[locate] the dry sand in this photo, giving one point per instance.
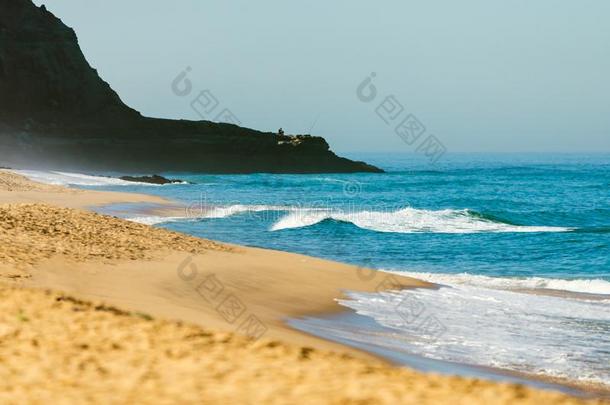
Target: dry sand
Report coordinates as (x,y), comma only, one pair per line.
(173,275)
(56,349)
(56,346)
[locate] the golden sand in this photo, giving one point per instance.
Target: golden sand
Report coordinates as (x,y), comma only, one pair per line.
(172,275)
(32,232)
(14,182)
(67,341)
(55,349)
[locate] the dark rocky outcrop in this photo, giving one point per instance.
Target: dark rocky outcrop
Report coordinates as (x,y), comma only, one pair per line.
(56,112)
(154,179)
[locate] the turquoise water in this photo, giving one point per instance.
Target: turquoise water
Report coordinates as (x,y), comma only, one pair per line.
(518,215)
(520,245)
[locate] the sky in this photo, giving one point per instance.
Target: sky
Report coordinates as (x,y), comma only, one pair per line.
(480,75)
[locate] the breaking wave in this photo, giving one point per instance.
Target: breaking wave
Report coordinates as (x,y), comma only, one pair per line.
(410,220)
(587,286)
(499,328)
(406,220)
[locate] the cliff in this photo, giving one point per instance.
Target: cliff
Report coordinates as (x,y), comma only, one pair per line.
(56,112)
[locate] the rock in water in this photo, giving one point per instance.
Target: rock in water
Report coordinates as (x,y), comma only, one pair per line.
(56,112)
(154,179)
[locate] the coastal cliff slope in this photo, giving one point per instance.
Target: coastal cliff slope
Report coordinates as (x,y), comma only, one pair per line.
(56,112)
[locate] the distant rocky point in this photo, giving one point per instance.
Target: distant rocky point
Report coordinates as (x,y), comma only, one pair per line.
(154,179)
(57,113)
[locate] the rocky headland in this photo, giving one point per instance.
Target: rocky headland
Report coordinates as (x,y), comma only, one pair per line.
(57,113)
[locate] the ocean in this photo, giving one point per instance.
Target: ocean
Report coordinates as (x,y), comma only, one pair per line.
(519,244)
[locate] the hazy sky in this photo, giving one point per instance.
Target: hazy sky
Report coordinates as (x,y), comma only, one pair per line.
(480,75)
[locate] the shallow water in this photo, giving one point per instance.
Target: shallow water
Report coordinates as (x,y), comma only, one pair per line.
(492,229)
(363,333)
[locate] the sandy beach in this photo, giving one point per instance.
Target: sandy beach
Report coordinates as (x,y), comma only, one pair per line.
(99,309)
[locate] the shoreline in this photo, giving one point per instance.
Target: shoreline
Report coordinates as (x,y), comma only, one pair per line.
(572,387)
(260,285)
(316,325)
(163,294)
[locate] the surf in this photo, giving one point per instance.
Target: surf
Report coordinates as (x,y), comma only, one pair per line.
(410,220)
(74,179)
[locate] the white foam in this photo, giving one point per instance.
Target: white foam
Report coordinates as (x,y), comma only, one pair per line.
(588,286)
(469,324)
(75,179)
(198,211)
(271,212)
(409,220)
(230,210)
(406,220)
(154,220)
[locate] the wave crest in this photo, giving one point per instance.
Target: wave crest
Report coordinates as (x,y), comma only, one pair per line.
(587,286)
(409,220)
(405,220)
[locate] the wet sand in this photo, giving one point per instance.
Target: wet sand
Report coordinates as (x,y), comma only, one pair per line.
(98,309)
